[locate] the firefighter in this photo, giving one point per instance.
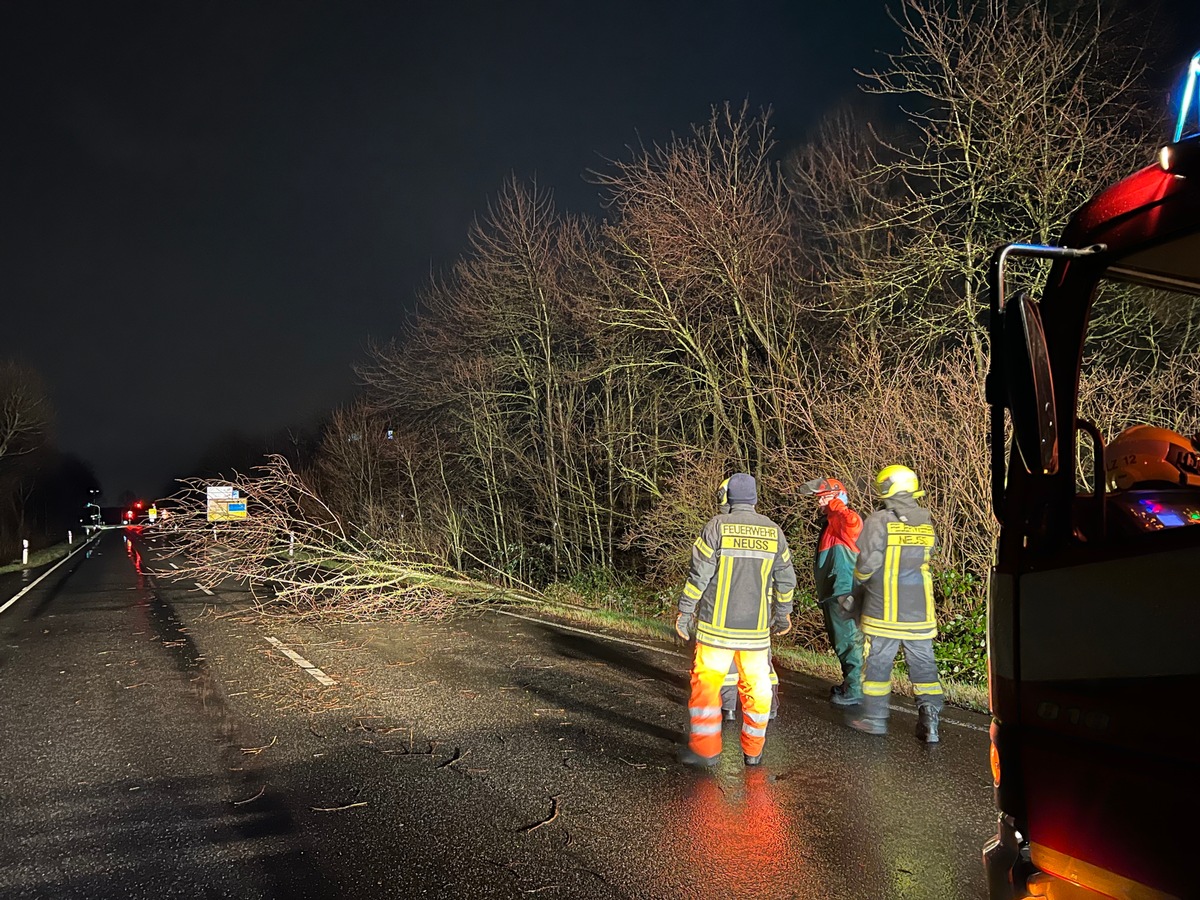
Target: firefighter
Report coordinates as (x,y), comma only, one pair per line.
(729,689)
(833,575)
(894,593)
(738,559)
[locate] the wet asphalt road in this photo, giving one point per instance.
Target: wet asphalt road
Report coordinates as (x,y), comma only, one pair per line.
(158,744)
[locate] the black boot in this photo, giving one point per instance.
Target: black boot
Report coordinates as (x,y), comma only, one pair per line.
(868,725)
(846,696)
(871,717)
(927,724)
(690,757)
(752,760)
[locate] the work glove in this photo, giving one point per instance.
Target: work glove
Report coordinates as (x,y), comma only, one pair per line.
(781,624)
(848,606)
(684,623)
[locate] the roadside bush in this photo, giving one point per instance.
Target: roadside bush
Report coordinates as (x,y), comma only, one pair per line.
(961,647)
(601,588)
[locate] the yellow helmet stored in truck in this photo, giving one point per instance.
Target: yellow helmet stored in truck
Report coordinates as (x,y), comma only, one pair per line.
(1145,456)
(897,480)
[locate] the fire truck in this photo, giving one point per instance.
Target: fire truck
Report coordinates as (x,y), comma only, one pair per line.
(1094,596)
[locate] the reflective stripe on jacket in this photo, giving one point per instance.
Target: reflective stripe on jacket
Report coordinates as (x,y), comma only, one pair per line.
(892,572)
(738,558)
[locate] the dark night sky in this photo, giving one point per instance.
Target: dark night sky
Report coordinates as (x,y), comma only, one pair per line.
(207,209)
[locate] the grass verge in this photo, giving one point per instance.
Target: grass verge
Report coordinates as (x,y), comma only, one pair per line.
(42,557)
(792,659)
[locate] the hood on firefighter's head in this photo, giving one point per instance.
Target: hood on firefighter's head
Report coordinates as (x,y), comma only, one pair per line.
(741,490)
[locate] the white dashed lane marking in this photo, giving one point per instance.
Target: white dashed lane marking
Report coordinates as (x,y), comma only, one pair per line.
(301,662)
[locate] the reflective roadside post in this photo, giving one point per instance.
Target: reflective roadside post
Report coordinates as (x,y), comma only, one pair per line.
(25,551)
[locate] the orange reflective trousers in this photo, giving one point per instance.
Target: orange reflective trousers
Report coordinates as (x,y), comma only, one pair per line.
(709,668)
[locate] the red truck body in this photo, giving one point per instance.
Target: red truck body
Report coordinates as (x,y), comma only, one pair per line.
(1094,600)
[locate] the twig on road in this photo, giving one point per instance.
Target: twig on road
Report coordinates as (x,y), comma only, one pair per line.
(261,790)
(458,755)
(254,751)
(526,829)
(338,808)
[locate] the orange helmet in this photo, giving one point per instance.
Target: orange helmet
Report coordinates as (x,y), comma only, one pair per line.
(1143,455)
(822,486)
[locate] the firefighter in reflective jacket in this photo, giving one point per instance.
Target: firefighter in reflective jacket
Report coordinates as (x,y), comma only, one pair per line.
(737,560)
(729,687)
(894,588)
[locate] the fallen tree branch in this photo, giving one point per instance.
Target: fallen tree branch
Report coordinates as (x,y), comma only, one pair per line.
(294,552)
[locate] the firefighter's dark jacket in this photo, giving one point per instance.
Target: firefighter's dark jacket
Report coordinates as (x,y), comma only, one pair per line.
(892,572)
(738,558)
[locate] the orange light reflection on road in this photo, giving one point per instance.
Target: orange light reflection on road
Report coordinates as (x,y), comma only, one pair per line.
(134,554)
(735,832)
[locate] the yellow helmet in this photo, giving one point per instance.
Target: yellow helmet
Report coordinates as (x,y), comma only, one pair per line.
(723,494)
(897,480)
(1143,455)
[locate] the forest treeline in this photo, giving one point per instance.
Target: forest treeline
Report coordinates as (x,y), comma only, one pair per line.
(574,389)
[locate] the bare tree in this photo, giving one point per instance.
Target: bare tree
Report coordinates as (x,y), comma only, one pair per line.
(703,267)
(1015,113)
(24,410)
